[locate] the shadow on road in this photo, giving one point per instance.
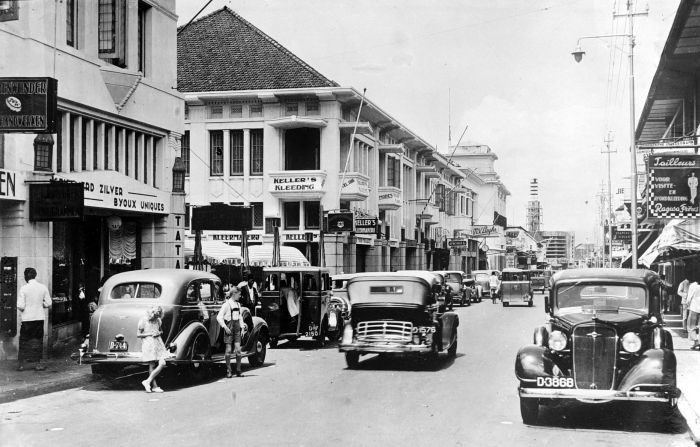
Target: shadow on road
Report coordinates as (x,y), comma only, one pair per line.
(614,416)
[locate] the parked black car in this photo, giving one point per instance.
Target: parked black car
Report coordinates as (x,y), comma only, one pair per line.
(604,341)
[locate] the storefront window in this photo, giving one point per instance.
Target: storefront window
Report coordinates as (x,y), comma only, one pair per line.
(311,214)
(64,305)
(291,215)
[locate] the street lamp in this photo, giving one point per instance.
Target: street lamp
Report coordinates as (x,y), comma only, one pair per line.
(578,56)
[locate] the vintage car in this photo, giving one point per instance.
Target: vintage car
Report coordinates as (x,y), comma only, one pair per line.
(454,280)
(397,313)
(190,300)
(483,279)
(444,295)
(537,280)
(604,341)
(469,286)
(340,303)
(515,287)
(309,289)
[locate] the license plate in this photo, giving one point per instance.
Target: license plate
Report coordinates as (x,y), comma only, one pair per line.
(555,382)
(118,345)
(312,331)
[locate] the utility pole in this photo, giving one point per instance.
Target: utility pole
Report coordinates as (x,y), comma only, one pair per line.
(608,139)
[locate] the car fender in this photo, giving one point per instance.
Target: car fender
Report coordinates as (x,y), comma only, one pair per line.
(450,322)
(655,367)
(184,339)
(532,362)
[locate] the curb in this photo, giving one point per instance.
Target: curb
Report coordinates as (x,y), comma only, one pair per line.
(36,389)
(692,419)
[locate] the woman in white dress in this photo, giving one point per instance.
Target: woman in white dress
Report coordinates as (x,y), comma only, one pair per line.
(152,347)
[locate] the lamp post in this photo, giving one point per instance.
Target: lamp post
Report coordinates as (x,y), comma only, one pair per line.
(578,54)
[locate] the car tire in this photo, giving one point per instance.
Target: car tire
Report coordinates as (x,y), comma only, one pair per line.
(506,304)
(199,352)
(352,359)
(452,351)
(529,303)
(258,358)
(529,410)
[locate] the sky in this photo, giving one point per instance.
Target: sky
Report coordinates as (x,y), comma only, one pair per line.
(502,70)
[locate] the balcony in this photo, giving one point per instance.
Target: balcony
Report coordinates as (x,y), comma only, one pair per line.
(363,127)
(298,185)
(355,187)
(389,198)
(295,122)
(429,171)
(427,211)
(398,148)
(461,223)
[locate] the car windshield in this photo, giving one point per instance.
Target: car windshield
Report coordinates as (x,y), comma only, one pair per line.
(377,292)
(600,297)
(454,277)
(135,290)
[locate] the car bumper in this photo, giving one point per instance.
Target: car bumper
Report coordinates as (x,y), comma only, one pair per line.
(384,347)
(661,395)
(122,358)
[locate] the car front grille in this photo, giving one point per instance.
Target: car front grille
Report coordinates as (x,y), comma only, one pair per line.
(595,355)
(384,331)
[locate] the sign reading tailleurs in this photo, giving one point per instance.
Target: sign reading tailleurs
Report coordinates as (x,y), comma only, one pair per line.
(673,181)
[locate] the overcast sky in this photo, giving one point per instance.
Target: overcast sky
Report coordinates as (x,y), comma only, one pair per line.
(504,69)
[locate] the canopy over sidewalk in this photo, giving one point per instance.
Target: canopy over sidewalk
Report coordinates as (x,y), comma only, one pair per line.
(677,235)
(260,255)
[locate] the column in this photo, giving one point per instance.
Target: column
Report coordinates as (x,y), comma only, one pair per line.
(139,158)
(246,152)
(111,148)
(89,150)
(227,153)
(65,142)
(77,148)
(149,161)
(131,149)
(101,146)
(121,150)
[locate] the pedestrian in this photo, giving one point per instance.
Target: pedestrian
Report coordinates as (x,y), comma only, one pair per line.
(230,318)
(665,296)
(495,285)
(693,313)
(33,298)
(249,291)
(152,347)
(84,310)
(683,293)
(291,300)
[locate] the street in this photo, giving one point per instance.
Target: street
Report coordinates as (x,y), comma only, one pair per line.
(305,396)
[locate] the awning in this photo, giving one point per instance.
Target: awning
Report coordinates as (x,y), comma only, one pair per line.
(260,255)
(679,234)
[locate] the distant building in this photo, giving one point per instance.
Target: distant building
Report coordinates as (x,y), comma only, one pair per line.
(534,209)
(560,247)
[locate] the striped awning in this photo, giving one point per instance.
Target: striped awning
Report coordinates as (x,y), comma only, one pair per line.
(260,255)
(679,234)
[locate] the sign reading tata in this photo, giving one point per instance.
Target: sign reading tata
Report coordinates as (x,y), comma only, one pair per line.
(483,231)
(28,105)
(673,181)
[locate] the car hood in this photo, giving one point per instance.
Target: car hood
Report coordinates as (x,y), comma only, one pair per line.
(115,319)
(389,311)
(623,320)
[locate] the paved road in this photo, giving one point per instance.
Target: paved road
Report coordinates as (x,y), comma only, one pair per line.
(306,397)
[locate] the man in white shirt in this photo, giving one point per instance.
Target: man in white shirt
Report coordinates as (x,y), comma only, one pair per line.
(694,313)
(495,285)
(683,293)
(33,298)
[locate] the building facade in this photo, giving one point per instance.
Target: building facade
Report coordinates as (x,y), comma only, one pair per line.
(272,133)
(560,247)
(118,127)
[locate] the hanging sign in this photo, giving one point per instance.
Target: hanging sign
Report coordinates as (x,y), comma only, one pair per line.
(483,231)
(674,181)
(366,225)
(28,105)
(56,201)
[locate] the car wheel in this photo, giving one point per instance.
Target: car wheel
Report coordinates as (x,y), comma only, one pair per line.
(506,304)
(352,358)
(198,368)
(258,358)
(529,409)
(452,351)
(273,342)
(529,303)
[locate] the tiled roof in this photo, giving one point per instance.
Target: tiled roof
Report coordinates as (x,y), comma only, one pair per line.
(222,52)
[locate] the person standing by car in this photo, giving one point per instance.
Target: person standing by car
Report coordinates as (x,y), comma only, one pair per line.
(152,348)
(683,293)
(249,292)
(230,318)
(694,313)
(495,285)
(33,298)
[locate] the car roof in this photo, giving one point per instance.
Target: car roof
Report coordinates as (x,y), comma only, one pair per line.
(512,270)
(638,276)
(342,276)
(407,274)
(296,269)
(451,271)
(484,271)
(171,278)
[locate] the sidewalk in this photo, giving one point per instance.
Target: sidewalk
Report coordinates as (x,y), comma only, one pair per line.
(61,373)
(687,376)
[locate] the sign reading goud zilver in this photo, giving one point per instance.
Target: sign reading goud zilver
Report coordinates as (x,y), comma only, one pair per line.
(673,185)
(28,105)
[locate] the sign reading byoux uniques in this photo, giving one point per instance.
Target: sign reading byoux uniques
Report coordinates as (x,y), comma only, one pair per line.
(673,181)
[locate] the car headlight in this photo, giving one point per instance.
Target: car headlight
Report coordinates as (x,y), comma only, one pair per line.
(347,334)
(631,342)
(557,341)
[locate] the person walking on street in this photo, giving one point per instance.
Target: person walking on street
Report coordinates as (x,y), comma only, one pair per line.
(152,347)
(665,296)
(683,293)
(694,313)
(495,285)
(33,298)
(230,318)
(249,292)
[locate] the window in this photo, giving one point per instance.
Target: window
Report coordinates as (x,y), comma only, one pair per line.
(291,108)
(9,10)
(216,152)
(216,112)
(311,214)
(256,110)
(71,16)
(236,152)
(135,290)
(256,152)
(236,111)
(187,112)
(185,150)
(291,215)
(142,45)
(302,149)
(440,196)
(393,175)
(258,221)
(312,107)
(111,32)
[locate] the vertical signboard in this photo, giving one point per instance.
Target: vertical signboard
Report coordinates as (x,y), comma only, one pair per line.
(673,181)
(28,105)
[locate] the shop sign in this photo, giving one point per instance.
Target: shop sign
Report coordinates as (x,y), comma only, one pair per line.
(292,184)
(117,192)
(483,231)
(28,105)
(674,181)
(300,237)
(389,199)
(366,225)
(364,240)
(235,237)
(340,222)
(456,242)
(56,201)
(355,186)
(178,241)
(394,244)
(222,217)
(8,185)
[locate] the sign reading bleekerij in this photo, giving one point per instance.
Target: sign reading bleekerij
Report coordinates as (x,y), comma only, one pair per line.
(673,181)
(28,105)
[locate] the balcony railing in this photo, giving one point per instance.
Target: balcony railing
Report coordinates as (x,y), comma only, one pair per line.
(389,198)
(355,187)
(300,185)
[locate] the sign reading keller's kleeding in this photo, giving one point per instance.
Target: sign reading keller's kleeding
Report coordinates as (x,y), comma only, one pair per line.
(28,105)
(673,181)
